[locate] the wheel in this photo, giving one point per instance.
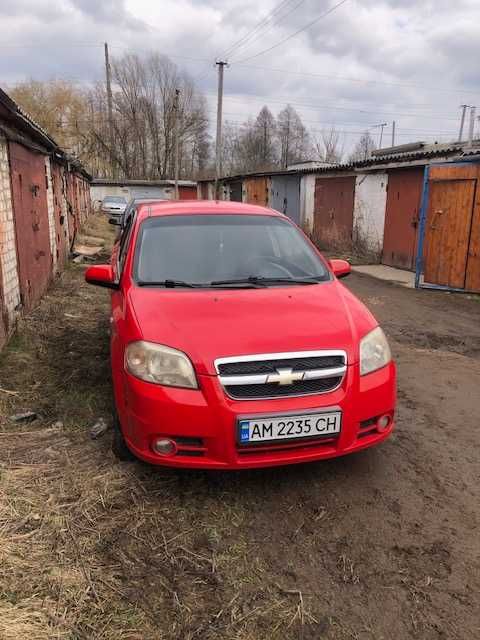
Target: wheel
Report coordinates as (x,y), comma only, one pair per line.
(119,446)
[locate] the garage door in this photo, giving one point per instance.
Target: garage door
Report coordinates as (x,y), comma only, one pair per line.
(401,217)
(447,233)
(333,212)
(286,196)
(31,223)
(256,191)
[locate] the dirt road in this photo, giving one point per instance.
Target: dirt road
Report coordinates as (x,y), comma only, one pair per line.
(382,545)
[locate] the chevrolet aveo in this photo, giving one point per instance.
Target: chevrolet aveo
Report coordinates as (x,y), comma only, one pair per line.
(234,345)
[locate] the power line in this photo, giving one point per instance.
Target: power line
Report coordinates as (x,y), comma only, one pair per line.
(257,27)
(262,68)
(262,33)
(254,32)
(348,79)
(292,35)
(35,45)
(238,124)
(103,119)
(317,107)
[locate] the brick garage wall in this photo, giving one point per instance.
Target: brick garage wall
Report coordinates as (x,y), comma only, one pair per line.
(8,253)
(51,213)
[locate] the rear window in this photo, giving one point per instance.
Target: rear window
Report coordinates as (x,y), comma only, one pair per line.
(200,249)
(116,199)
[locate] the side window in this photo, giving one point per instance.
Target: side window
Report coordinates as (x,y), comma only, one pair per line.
(125,240)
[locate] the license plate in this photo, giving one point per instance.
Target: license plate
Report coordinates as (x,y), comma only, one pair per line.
(252,431)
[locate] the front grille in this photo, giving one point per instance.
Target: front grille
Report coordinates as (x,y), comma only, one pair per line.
(270,366)
(283,447)
(272,390)
(281,375)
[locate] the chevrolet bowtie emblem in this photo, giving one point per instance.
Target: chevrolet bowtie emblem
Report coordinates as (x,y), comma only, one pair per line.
(285,376)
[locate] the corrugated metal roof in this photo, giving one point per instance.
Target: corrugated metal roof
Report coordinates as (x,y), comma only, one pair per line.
(426,153)
(105,182)
(20,117)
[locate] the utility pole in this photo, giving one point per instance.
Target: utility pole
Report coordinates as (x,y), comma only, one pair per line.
(110,110)
(218,145)
(471,128)
(381,125)
(464,108)
(393,133)
(176,141)
(287,143)
(384,124)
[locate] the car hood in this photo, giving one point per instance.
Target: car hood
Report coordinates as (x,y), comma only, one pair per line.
(207,324)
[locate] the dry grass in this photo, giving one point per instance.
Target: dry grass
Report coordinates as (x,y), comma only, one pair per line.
(91,548)
(94,549)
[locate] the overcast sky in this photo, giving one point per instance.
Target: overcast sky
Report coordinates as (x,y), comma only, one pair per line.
(367,62)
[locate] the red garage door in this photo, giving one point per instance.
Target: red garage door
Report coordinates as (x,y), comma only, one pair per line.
(333,212)
(187,193)
(401,217)
(31,222)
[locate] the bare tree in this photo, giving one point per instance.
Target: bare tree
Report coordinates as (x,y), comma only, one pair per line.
(144,117)
(330,146)
(293,137)
(230,149)
(61,108)
(265,133)
(363,148)
(252,146)
(143,100)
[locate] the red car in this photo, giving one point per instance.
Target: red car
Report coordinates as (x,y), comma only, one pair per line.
(234,345)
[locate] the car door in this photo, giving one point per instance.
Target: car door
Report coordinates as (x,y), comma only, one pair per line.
(119,256)
(119,330)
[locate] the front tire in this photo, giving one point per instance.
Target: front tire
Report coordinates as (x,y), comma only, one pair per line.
(119,446)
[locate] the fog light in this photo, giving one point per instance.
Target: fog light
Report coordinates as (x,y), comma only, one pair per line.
(383,422)
(164,446)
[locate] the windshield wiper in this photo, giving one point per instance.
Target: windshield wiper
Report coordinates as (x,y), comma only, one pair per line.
(260,280)
(168,284)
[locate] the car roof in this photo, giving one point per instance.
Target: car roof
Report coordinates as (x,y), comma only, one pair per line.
(205,207)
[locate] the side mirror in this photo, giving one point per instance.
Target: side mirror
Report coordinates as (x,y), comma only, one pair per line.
(340,268)
(115,221)
(101,275)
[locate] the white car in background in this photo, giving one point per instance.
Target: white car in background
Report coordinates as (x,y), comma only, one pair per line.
(114,206)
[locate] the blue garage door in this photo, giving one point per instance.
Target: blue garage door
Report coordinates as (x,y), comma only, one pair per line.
(286,196)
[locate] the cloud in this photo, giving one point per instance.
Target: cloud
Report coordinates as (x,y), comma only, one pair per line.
(370,61)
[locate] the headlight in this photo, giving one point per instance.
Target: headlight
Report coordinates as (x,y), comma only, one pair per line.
(374,351)
(159,364)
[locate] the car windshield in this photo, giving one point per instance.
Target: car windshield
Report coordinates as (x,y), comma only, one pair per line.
(116,199)
(224,250)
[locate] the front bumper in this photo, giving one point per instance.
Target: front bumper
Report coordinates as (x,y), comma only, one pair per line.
(205,419)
